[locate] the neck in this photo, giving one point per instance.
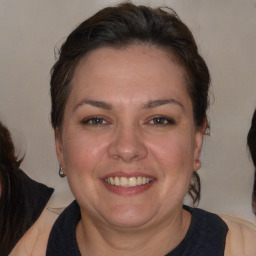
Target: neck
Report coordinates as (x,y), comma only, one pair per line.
(158,239)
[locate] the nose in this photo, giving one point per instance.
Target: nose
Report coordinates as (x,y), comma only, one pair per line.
(127,144)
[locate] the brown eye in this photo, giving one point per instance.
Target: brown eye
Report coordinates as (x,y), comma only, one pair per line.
(161,120)
(96,120)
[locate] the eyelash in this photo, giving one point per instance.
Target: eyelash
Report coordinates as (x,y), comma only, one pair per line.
(156,120)
(162,121)
(94,121)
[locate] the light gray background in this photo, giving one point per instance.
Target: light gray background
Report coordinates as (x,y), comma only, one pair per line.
(226,33)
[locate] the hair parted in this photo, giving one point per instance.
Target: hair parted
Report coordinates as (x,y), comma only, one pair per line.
(119,27)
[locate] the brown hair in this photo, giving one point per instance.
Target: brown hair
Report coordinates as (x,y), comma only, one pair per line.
(11,207)
(251,142)
(123,25)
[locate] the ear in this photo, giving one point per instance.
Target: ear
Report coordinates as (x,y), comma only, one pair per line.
(198,146)
(58,146)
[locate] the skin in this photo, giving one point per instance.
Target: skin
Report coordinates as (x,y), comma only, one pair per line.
(111,127)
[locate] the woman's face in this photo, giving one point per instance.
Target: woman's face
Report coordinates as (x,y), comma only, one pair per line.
(128,144)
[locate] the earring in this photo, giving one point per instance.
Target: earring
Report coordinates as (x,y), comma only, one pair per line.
(61,173)
(197,164)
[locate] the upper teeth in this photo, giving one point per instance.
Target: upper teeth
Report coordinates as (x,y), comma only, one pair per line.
(128,182)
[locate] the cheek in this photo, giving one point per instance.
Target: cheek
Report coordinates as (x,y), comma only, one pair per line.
(82,153)
(175,151)
(174,156)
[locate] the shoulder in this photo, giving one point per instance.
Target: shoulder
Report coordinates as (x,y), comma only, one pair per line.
(241,237)
(34,241)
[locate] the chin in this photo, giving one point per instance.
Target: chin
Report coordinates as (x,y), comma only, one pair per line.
(129,217)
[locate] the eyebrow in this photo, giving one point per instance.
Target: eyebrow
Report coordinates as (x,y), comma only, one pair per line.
(94,103)
(148,105)
(157,103)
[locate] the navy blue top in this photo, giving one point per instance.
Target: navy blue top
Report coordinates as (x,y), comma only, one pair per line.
(206,234)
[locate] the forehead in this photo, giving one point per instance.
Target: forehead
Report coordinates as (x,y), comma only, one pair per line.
(127,54)
(135,70)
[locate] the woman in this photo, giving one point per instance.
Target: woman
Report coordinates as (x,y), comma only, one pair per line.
(22,199)
(251,141)
(129,98)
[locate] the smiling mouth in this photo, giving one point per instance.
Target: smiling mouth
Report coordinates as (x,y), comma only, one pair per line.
(128,182)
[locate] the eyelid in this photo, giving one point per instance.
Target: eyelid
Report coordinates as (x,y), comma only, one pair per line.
(86,120)
(170,120)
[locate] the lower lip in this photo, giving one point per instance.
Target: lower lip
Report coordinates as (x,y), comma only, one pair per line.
(127,191)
